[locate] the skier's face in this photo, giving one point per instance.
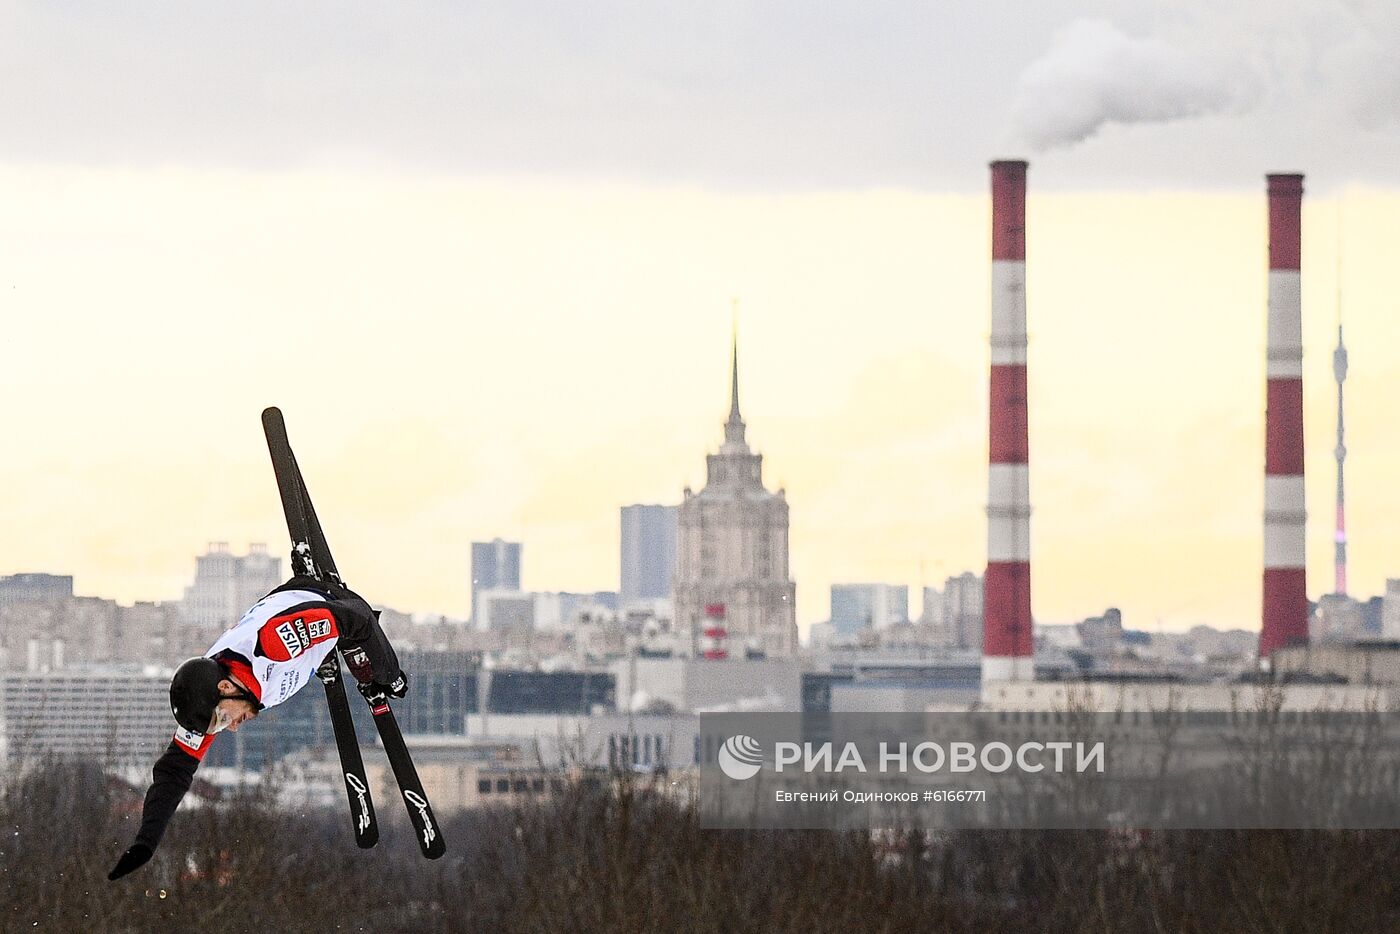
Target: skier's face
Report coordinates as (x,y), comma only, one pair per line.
(232,711)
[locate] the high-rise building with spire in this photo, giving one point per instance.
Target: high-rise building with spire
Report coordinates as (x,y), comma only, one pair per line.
(732,554)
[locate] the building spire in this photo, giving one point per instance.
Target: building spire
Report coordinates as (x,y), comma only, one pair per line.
(734,428)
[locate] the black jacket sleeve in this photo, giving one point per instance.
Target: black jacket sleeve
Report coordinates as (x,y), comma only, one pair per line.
(171,778)
(359,629)
(358,624)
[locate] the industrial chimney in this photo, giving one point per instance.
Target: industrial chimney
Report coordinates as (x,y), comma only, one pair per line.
(1007,648)
(1285,613)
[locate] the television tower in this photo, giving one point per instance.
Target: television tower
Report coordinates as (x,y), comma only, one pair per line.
(1339,369)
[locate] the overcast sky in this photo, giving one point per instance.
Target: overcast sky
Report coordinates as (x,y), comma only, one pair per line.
(734,95)
(499,243)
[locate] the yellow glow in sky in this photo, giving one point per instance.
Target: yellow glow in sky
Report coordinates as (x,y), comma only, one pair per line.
(459,361)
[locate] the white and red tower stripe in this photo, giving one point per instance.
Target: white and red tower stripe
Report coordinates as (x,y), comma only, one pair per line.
(1285,578)
(1007,649)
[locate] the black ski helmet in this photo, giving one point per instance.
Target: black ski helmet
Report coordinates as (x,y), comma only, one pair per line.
(194,693)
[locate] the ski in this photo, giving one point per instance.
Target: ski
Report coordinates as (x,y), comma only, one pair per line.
(296,506)
(309,547)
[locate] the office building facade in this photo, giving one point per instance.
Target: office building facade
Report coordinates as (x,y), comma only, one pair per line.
(648,553)
(495,566)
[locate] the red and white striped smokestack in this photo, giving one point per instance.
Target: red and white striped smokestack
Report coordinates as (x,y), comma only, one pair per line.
(1285,578)
(1007,650)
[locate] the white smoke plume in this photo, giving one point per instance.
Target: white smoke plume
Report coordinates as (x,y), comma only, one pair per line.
(1364,63)
(1094,75)
(1303,61)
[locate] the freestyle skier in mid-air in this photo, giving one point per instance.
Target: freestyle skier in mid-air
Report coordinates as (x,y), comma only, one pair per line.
(296,631)
(273,651)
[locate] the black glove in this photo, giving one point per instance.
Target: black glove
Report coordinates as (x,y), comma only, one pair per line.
(134,858)
(357,660)
(377,693)
(301,555)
